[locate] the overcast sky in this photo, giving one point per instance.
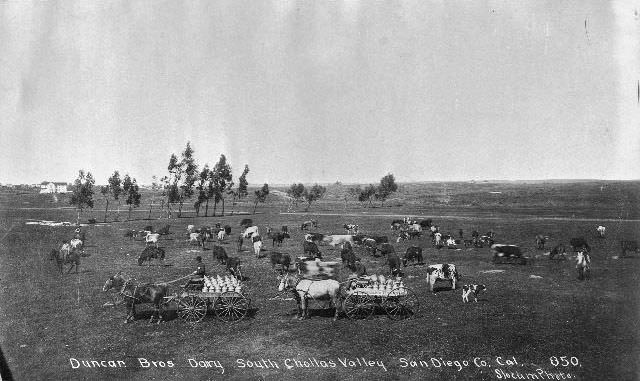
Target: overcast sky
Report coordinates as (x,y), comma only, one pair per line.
(318,91)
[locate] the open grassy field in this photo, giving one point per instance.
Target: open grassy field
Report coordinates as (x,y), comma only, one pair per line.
(535,321)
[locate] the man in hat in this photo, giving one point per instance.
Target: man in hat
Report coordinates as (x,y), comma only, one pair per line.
(198,275)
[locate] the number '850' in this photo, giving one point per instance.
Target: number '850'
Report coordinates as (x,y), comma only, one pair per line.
(564,361)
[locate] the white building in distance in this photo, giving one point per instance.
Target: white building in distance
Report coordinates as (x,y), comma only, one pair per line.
(53,187)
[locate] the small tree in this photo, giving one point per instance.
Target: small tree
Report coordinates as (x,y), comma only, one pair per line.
(155,187)
(241,192)
(366,194)
(353,193)
(104,191)
(261,196)
(223,179)
(132,191)
(315,193)
(203,179)
(190,175)
(296,192)
(387,187)
(115,189)
(82,196)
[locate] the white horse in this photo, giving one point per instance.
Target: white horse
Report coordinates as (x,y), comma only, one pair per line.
(303,289)
(583,265)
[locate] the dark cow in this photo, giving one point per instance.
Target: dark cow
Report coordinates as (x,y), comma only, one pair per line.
(413,254)
(579,243)
(370,245)
(277,237)
(414,234)
(628,246)
(311,249)
(233,266)
(219,254)
(227,229)
(396,224)
(283,260)
(426,224)
(394,264)
(308,224)
(472,289)
(557,251)
(386,249)
(285,229)
(351,228)
(164,230)
(358,238)
(150,252)
(348,257)
(246,222)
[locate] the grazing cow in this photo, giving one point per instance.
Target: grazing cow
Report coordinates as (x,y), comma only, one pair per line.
(442,271)
(222,235)
(402,236)
(314,237)
(308,224)
(348,257)
(251,231)
(540,241)
(233,266)
(558,250)
(337,239)
(415,227)
(191,229)
(413,254)
(386,249)
(219,254)
(601,230)
(472,289)
(151,238)
(164,230)
(351,228)
(150,252)
(370,245)
(426,224)
(396,224)
(394,264)
(583,264)
(434,229)
(451,243)
(311,249)
(227,229)
(277,237)
(628,246)
(578,244)
(284,260)
(414,234)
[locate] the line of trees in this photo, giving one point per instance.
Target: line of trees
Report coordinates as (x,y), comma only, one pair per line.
(183,183)
(299,193)
(381,192)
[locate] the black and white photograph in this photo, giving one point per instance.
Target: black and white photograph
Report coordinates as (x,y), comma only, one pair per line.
(319,190)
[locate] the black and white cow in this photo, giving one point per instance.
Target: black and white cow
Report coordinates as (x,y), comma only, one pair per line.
(472,289)
(442,271)
(351,228)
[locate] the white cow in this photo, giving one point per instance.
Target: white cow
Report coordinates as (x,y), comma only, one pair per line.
(190,229)
(251,231)
(222,235)
(415,227)
(337,239)
(601,230)
(194,237)
(151,238)
(257,246)
(442,271)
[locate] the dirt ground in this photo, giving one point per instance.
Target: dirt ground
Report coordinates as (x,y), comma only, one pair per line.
(535,321)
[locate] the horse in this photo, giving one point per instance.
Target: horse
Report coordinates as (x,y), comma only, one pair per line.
(150,252)
(303,289)
(137,293)
(583,265)
(73,257)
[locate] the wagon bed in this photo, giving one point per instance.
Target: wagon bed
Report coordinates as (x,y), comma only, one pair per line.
(360,301)
(193,305)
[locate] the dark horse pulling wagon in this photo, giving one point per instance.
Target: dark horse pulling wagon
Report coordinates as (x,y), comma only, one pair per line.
(224,296)
(510,254)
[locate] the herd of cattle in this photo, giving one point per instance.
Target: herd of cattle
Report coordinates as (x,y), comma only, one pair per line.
(374,245)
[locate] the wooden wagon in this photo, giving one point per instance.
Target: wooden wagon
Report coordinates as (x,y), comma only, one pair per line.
(363,295)
(229,304)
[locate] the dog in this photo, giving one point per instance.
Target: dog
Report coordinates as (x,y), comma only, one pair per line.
(472,289)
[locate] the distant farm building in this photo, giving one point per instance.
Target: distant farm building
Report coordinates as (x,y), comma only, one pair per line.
(52,187)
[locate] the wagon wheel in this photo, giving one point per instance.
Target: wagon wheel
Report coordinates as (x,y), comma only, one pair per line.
(192,308)
(231,306)
(401,304)
(358,305)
